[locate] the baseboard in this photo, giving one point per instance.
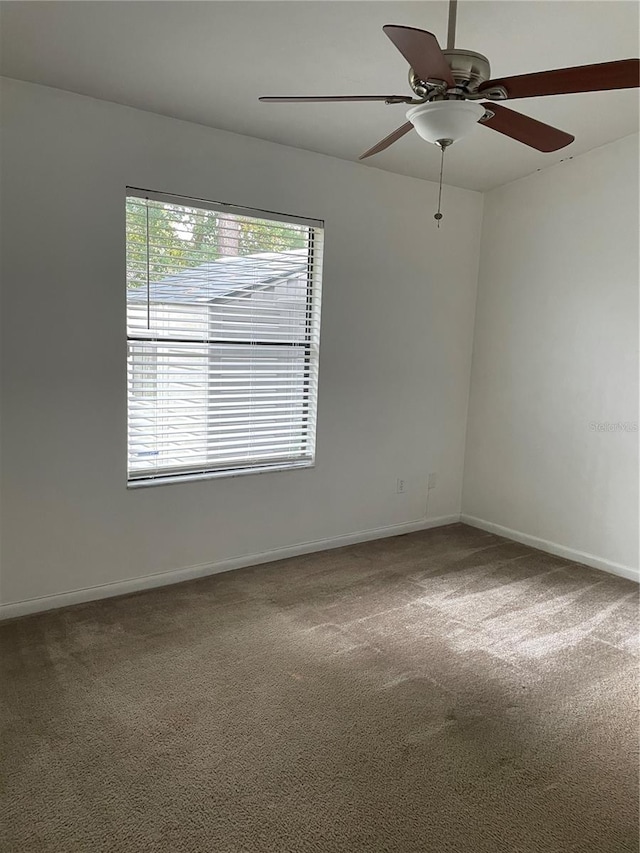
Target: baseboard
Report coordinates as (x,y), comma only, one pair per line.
(93,593)
(553,548)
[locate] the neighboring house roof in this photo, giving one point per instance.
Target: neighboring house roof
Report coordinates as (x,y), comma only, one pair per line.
(225,276)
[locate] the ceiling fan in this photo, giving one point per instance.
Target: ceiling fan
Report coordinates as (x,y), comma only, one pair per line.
(452,91)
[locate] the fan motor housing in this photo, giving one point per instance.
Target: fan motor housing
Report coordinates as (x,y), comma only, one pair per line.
(468,69)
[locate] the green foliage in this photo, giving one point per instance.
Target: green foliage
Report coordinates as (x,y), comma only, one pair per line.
(261,236)
(181,238)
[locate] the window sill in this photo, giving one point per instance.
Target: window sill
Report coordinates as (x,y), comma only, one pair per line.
(216,475)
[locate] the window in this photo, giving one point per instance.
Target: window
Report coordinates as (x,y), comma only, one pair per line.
(223,327)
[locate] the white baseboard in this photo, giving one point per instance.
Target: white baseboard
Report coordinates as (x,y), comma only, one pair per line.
(553,548)
(93,593)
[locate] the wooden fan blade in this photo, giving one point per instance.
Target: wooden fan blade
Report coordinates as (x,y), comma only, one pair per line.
(622,74)
(388,140)
(325,99)
(422,52)
(531,132)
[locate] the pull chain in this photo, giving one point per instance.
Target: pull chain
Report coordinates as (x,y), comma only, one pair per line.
(444,144)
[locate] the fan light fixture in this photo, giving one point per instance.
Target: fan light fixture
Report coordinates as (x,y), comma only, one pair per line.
(448,84)
(437,121)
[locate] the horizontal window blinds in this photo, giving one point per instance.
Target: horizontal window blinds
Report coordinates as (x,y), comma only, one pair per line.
(223,325)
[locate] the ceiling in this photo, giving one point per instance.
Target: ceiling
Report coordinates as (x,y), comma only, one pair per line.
(208,61)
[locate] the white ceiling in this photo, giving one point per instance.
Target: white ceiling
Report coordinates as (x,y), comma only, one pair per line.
(208,61)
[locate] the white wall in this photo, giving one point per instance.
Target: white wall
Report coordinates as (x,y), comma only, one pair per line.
(397,323)
(556,351)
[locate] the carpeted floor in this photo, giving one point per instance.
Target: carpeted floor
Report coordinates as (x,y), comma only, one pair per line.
(441,691)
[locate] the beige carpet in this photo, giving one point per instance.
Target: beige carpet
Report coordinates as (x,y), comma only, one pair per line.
(441,691)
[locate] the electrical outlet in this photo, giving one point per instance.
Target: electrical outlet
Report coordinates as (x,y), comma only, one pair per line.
(432,482)
(400,486)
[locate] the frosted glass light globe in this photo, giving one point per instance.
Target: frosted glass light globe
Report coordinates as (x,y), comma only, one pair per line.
(445,119)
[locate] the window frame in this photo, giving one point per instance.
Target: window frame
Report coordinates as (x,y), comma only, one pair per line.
(310,344)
